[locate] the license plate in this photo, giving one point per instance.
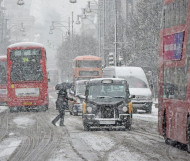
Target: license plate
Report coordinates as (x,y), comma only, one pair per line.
(27,103)
(107,122)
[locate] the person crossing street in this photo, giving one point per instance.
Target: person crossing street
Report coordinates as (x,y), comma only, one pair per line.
(61,105)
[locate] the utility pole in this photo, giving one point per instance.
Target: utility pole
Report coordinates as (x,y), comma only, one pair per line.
(115,61)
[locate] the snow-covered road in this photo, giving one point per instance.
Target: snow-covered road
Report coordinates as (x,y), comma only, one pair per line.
(30,136)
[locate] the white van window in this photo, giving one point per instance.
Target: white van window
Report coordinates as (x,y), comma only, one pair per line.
(135,82)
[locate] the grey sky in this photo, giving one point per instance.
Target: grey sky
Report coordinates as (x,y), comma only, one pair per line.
(46,11)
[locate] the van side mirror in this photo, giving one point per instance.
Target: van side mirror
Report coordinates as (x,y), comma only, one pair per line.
(132,96)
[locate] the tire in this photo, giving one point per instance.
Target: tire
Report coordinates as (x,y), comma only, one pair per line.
(188,134)
(86,127)
(75,113)
(165,130)
(11,110)
(128,125)
(134,110)
(149,110)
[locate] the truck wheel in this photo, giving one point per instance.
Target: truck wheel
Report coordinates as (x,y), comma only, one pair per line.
(188,135)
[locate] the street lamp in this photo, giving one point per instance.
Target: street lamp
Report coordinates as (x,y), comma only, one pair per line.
(58,24)
(20,2)
(78,20)
(88,9)
(73,1)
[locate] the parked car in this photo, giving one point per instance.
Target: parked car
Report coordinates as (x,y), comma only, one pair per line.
(138,85)
(107,103)
(78,96)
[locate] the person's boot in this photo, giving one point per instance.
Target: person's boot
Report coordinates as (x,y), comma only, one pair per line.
(62,123)
(53,123)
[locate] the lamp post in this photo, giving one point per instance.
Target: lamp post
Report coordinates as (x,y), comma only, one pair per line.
(62,34)
(20,2)
(73,1)
(14,31)
(59,24)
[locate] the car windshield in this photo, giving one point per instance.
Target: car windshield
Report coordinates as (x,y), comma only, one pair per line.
(135,82)
(80,89)
(106,91)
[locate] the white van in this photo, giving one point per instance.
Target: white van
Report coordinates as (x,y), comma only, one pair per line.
(138,85)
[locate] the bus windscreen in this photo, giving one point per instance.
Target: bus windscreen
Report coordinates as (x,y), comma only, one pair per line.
(88,63)
(26,65)
(3,72)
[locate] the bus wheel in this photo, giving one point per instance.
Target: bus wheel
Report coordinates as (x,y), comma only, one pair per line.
(188,135)
(165,130)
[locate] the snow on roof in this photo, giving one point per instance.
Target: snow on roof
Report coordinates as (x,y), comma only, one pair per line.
(26,44)
(100,79)
(128,71)
(81,81)
(86,57)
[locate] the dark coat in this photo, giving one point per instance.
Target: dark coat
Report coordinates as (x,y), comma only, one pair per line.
(62,101)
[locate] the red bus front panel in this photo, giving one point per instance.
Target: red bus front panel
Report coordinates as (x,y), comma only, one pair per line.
(27,76)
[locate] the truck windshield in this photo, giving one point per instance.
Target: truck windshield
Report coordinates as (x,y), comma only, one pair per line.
(106,91)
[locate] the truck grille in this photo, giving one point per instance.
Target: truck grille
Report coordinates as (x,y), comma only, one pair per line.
(107,112)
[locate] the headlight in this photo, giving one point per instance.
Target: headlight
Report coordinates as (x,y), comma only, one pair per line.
(89,109)
(125,109)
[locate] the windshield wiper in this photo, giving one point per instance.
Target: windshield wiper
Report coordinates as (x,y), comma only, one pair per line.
(104,97)
(119,97)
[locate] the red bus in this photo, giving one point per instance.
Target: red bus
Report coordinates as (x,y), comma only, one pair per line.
(87,67)
(3,80)
(174,73)
(27,81)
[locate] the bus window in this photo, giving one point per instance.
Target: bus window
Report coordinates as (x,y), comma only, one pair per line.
(85,63)
(26,65)
(3,72)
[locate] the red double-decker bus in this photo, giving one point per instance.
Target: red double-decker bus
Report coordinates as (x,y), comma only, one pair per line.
(3,80)
(174,73)
(87,67)
(27,81)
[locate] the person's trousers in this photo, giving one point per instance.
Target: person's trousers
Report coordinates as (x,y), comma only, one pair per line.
(61,117)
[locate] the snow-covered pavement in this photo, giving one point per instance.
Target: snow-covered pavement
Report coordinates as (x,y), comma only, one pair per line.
(31,136)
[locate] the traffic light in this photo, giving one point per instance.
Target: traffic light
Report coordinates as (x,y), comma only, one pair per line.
(111,59)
